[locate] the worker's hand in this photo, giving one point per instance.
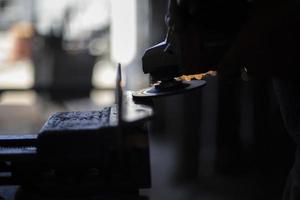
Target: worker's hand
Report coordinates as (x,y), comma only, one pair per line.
(196,57)
(185,39)
(205,30)
(267,45)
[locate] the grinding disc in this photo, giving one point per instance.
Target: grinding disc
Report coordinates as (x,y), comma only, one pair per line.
(152,92)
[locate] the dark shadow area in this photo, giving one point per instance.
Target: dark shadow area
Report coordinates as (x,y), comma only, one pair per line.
(224,141)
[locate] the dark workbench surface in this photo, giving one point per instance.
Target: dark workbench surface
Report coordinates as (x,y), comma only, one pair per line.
(169,180)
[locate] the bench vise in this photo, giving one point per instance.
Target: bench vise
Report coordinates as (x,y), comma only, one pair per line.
(78,153)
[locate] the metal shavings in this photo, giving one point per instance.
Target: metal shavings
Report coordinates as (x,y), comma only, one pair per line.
(197,76)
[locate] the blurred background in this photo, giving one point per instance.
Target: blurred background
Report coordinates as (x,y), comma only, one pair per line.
(58,51)
(222,142)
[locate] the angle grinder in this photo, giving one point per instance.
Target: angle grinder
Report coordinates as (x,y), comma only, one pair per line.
(162,62)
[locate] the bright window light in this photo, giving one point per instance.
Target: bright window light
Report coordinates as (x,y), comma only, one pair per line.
(26,98)
(18,75)
(103,98)
(123,30)
(104,75)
